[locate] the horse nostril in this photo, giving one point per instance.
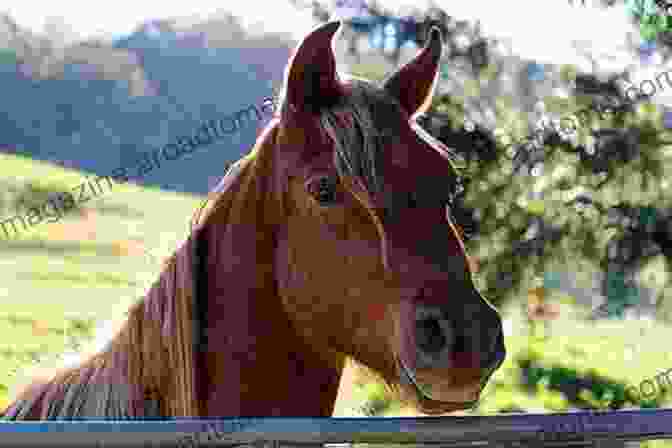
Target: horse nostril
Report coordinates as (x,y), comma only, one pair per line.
(429,336)
(434,337)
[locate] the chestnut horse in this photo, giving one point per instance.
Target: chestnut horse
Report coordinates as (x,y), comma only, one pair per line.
(332,239)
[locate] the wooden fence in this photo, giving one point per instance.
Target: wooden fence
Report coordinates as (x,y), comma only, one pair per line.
(603,429)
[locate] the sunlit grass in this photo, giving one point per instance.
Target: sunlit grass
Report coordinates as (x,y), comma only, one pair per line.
(54,290)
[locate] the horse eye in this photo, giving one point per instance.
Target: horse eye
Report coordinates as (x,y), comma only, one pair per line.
(323,189)
(412,199)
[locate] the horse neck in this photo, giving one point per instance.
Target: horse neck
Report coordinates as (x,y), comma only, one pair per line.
(252,362)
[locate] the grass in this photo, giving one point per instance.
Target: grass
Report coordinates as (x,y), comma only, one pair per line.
(621,352)
(55,288)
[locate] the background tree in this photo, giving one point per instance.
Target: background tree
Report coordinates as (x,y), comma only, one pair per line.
(536,195)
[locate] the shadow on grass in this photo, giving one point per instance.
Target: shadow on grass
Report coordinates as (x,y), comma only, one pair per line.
(81,327)
(119,210)
(94,279)
(60,248)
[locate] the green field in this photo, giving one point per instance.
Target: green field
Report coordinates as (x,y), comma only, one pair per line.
(56,287)
(58,279)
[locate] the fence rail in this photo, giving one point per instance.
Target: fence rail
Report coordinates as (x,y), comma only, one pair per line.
(604,429)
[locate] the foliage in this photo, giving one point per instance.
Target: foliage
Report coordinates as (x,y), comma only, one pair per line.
(532,195)
(376,400)
(652,17)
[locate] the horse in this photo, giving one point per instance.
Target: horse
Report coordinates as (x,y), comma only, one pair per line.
(331,240)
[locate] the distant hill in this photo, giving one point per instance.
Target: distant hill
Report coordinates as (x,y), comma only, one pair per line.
(97,105)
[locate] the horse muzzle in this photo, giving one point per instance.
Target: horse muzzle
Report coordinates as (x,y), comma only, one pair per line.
(446,356)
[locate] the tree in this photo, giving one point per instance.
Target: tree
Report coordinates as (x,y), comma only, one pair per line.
(538,194)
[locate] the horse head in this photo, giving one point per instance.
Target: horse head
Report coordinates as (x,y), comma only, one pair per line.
(367,262)
(332,239)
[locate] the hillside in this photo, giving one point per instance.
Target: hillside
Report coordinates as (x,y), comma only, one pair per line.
(97,105)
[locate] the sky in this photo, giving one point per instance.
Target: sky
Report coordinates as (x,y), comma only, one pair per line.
(542,33)
(546,31)
(122,16)
(555,33)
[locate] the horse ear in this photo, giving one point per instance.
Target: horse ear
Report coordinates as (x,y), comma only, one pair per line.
(413,84)
(310,78)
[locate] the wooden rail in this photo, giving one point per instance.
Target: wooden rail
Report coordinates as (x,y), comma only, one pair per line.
(606,429)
